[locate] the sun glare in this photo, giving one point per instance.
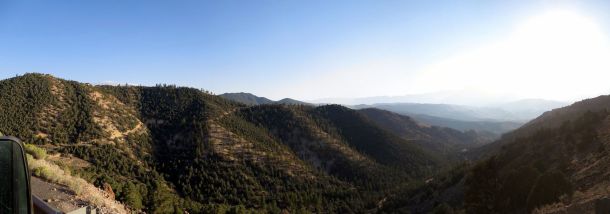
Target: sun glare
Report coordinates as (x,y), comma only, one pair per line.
(556,55)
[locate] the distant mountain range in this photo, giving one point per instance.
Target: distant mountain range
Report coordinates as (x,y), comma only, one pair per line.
(251,99)
(457,97)
(493,120)
(518,111)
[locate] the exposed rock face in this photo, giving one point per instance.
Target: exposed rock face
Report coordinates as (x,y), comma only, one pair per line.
(108,190)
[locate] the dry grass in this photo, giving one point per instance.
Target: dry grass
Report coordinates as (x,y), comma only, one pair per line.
(84,190)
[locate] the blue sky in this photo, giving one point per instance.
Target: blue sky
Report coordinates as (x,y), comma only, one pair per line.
(276,48)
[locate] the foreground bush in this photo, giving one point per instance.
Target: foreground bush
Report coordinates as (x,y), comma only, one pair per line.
(37,152)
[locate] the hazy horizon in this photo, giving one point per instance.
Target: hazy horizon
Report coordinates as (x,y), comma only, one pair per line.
(457,97)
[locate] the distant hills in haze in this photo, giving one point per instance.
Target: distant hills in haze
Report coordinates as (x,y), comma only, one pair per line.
(291,102)
(519,111)
(527,109)
(496,119)
(495,128)
(455,112)
(456,97)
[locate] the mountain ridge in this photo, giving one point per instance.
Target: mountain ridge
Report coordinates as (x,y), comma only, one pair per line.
(251,99)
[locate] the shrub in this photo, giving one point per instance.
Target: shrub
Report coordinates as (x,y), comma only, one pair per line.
(133,197)
(41,172)
(37,152)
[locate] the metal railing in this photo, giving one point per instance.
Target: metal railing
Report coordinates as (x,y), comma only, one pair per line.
(42,207)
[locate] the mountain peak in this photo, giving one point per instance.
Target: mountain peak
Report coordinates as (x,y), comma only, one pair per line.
(246,98)
(291,101)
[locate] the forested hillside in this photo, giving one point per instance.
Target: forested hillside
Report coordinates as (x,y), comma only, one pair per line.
(168,149)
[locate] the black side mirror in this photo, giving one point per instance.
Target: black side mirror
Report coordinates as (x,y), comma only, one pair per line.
(15,193)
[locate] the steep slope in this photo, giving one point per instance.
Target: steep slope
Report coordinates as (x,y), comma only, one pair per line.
(246,98)
(202,150)
(556,117)
(438,139)
(315,140)
(374,141)
(539,168)
(63,116)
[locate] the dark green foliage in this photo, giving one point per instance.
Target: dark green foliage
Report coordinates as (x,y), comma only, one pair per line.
(439,191)
(517,186)
(214,181)
(482,187)
(20,99)
(251,132)
(133,197)
(443,209)
(130,181)
(29,104)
